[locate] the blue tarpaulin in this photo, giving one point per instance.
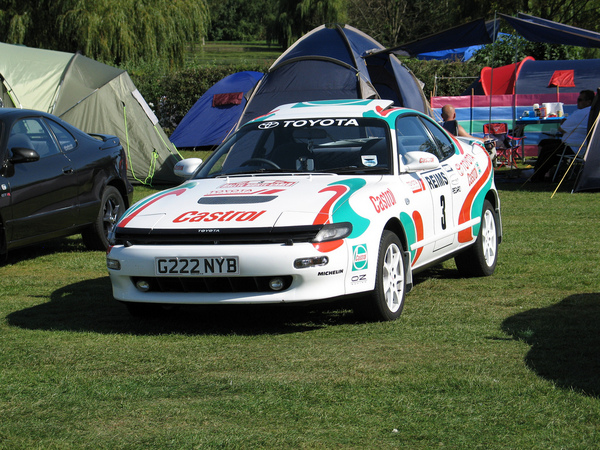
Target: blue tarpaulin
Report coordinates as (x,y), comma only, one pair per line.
(536,29)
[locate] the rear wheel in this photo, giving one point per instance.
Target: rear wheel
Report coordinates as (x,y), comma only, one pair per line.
(480,259)
(112,208)
(386,301)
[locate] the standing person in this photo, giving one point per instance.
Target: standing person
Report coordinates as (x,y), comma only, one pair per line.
(574,129)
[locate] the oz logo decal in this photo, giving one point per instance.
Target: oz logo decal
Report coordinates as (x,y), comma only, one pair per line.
(267,125)
(359,257)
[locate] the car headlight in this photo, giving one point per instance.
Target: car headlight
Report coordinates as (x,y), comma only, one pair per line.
(333,232)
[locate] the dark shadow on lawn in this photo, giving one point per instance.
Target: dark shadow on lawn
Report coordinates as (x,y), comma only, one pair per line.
(564,340)
(88,306)
(60,245)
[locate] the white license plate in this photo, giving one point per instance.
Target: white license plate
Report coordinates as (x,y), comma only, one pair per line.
(178,267)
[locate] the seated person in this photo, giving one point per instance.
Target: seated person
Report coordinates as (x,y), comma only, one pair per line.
(452,126)
(449,115)
(574,130)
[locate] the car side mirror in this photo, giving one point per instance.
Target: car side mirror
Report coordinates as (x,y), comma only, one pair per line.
(23,155)
(418,161)
(186,167)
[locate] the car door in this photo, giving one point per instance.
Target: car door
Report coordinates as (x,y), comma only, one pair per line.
(43,194)
(88,163)
(434,196)
(442,183)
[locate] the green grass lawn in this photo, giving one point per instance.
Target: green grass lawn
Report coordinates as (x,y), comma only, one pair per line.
(509,361)
(232,53)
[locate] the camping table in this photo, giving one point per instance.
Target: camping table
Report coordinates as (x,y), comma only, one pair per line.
(522,122)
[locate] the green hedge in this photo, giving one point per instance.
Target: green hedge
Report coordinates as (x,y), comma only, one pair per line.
(172,93)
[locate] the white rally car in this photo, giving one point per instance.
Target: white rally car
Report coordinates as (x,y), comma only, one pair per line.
(312,201)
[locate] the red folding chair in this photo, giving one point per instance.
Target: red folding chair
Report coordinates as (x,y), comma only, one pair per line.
(507,146)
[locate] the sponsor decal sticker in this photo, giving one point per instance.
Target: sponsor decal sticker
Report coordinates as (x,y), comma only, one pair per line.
(220,216)
(320,122)
(383,201)
(360,257)
(358,279)
(263,190)
(414,183)
(465,164)
(330,272)
(436,180)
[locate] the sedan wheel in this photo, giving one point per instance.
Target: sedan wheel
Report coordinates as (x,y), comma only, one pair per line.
(111,210)
(479,260)
(386,301)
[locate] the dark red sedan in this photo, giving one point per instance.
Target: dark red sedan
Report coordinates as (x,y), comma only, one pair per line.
(56,180)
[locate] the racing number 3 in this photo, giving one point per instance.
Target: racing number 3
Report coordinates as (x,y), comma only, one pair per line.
(443,205)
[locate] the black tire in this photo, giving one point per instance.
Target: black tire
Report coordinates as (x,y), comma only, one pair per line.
(112,208)
(479,260)
(386,301)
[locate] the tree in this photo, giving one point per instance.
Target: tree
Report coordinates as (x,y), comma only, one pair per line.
(513,48)
(112,31)
(393,22)
(294,18)
(239,20)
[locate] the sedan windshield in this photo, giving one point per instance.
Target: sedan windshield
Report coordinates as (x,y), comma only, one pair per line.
(329,145)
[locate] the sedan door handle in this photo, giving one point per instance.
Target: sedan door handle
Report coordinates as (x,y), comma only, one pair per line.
(68,170)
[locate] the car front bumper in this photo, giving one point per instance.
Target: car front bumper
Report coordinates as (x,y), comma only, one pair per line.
(258,265)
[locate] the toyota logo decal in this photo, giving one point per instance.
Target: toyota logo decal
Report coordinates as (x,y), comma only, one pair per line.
(268,125)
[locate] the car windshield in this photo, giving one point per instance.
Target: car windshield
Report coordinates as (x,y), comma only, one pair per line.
(327,145)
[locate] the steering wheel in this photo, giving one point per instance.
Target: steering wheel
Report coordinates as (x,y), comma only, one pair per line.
(268,162)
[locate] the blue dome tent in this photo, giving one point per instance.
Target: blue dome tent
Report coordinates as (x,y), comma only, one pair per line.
(216,113)
(340,62)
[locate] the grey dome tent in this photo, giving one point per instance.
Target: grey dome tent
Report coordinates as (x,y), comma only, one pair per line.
(340,62)
(94,97)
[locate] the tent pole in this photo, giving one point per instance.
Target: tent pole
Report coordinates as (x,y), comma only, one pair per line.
(10,92)
(472,105)
(493,59)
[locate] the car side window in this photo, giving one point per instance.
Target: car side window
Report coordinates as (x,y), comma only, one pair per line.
(412,135)
(66,141)
(443,142)
(31,133)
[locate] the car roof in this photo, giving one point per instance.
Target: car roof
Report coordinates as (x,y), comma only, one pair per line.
(18,112)
(327,108)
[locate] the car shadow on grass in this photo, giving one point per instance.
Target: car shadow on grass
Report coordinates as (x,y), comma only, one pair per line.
(88,306)
(53,246)
(564,340)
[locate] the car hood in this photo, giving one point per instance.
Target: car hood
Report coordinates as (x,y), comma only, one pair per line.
(252,201)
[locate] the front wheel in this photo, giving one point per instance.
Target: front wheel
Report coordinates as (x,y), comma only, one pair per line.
(112,208)
(386,301)
(479,260)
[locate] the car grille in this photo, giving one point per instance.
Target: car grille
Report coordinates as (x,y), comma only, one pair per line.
(212,284)
(279,235)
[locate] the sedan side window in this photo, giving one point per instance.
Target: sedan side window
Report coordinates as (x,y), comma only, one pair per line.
(442,141)
(413,136)
(31,133)
(65,140)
